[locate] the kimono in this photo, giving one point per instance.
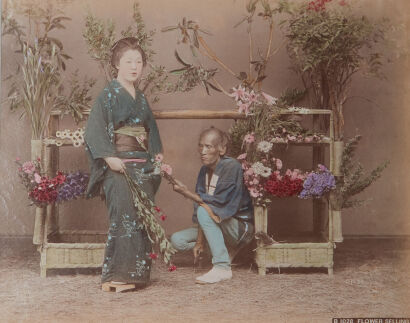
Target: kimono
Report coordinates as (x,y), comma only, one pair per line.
(128,246)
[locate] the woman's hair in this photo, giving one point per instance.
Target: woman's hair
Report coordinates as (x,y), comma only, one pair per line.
(121,46)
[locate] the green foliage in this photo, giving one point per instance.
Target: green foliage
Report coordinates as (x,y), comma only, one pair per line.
(353,180)
(37,85)
(78,98)
(146,211)
(101,35)
(37,93)
(328,47)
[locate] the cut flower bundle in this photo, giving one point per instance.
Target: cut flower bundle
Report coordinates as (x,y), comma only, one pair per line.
(43,190)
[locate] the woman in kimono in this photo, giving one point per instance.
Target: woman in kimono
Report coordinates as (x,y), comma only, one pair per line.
(122,136)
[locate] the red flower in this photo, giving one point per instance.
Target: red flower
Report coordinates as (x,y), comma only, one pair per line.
(172,268)
(153,255)
(156,208)
(343,3)
(163,217)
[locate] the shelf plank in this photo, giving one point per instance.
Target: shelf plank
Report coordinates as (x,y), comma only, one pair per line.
(213,114)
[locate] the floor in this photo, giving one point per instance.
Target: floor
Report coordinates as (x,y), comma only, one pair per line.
(371,279)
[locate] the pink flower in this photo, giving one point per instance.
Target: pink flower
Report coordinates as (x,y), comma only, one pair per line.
(166,169)
(249,138)
(255,181)
(172,268)
(241,156)
(238,93)
(279,164)
(309,139)
(249,172)
(288,172)
(28,167)
(251,97)
(243,107)
(159,157)
(17,159)
(37,178)
(253,192)
(291,137)
(163,217)
(343,3)
(269,99)
(153,256)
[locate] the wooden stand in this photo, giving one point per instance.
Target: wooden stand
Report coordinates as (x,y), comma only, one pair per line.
(85,249)
(306,250)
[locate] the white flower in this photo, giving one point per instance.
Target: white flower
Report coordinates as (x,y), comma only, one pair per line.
(269,99)
(260,169)
(265,146)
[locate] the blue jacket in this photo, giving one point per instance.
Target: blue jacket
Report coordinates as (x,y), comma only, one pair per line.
(227,194)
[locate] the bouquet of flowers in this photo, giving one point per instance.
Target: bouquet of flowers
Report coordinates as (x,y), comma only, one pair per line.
(290,184)
(43,190)
(318,183)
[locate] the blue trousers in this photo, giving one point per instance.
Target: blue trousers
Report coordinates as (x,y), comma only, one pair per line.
(230,232)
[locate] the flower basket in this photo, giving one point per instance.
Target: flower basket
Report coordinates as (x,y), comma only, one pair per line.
(337,225)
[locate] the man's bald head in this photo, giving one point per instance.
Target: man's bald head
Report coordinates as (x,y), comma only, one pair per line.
(220,138)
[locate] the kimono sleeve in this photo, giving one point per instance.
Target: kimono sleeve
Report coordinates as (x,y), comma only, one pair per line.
(97,135)
(227,197)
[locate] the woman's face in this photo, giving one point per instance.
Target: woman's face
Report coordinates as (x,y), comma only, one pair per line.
(130,66)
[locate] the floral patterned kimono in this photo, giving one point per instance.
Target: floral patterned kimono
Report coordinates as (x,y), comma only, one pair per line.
(128,247)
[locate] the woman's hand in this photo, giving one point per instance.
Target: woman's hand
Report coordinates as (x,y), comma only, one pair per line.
(115,164)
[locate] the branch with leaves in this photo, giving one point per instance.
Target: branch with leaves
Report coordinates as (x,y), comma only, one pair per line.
(353,180)
(191,35)
(328,44)
(101,35)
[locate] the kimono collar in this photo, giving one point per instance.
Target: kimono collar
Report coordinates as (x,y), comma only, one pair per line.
(117,85)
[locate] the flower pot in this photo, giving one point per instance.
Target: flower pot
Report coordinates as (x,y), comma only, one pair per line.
(337,226)
(36,148)
(38,234)
(337,157)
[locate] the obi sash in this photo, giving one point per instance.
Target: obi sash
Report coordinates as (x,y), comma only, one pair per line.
(131,138)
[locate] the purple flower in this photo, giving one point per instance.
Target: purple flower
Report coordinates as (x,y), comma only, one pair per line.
(318,183)
(73,187)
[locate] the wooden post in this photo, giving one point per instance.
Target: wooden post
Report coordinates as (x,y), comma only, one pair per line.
(318,158)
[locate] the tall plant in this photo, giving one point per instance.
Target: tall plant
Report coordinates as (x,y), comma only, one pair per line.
(328,44)
(40,80)
(37,85)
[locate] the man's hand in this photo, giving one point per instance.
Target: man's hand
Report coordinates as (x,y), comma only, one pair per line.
(199,245)
(198,249)
(180,187)
(115,164)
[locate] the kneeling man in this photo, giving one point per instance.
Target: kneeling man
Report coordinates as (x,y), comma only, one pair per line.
(223,208)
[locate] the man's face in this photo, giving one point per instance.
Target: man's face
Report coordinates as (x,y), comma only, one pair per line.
(209,150)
